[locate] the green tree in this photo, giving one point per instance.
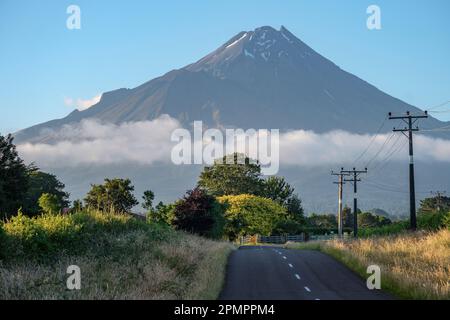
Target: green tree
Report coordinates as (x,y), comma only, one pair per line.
(49,203)
(438,203)
(232,175)
(322,221)
(277,189)
(77,205)
(148,198)
(347,217)
(369,220)
(163,213)
(249,215)
(40,183)
(113,195)
(294,209)
(13,177)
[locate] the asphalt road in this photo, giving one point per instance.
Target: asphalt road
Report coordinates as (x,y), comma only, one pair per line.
(272,273)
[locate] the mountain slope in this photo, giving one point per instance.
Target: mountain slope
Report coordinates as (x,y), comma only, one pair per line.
(264,78)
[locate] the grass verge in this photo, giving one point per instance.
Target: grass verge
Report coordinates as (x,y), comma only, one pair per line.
(119,258)
(413,265)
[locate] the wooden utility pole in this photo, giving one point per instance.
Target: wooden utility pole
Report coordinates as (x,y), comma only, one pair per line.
(410,120)
(340,183)
(355,179)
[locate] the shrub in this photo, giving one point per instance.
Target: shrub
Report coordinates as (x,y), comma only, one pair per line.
(248,215)
(43,236)
(393,228)
(291,227)
(200,213)
(433,220)
(49,203)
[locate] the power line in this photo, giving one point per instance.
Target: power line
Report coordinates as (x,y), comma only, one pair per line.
(389,138)
(371,141)
(433,109)
(382,164)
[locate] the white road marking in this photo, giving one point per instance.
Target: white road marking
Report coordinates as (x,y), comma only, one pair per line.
(297,276)
(307,289)
(290,265)
(279,252)
(316,299)
(284,257)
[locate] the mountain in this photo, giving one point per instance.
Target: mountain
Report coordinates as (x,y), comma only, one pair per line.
(264,78)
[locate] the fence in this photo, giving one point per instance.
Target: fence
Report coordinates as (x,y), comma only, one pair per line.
(332,236)
(272,239)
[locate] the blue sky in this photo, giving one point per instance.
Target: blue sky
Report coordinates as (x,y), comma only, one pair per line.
(126,43)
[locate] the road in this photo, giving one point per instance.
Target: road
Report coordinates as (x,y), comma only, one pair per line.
(273,273)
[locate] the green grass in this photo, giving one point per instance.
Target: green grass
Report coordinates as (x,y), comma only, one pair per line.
(120,258)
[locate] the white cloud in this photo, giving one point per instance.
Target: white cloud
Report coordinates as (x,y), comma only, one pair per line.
(92,142)
(147,142)
(82,104)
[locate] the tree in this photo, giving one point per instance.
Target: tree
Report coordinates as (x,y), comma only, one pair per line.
(369,220)
(232,175)
(40,183)
(277,189)
(247,214)
(163,213)
(49,203)
(148,198)
(438,203)
(13,177)
(199,213)
(289,227)
(113,195)
(322,221)
(77,205)
(294,209)
(347,217)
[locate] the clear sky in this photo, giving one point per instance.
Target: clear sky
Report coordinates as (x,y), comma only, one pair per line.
(125,43)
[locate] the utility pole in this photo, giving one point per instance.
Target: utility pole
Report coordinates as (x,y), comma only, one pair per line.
(339,183)
(355,179)
(410,120)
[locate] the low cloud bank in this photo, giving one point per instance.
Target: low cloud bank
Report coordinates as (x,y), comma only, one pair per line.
(147,142)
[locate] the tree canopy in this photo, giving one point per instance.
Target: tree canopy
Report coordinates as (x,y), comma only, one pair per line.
(39,184)
(14,178)
(200,213)
(232,175)
(249,214)
(113,195)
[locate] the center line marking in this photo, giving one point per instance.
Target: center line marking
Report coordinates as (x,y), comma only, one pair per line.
(307,289)
(297,276)
(290,265)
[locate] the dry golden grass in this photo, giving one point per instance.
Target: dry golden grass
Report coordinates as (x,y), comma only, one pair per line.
(184,267)
(414,266)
